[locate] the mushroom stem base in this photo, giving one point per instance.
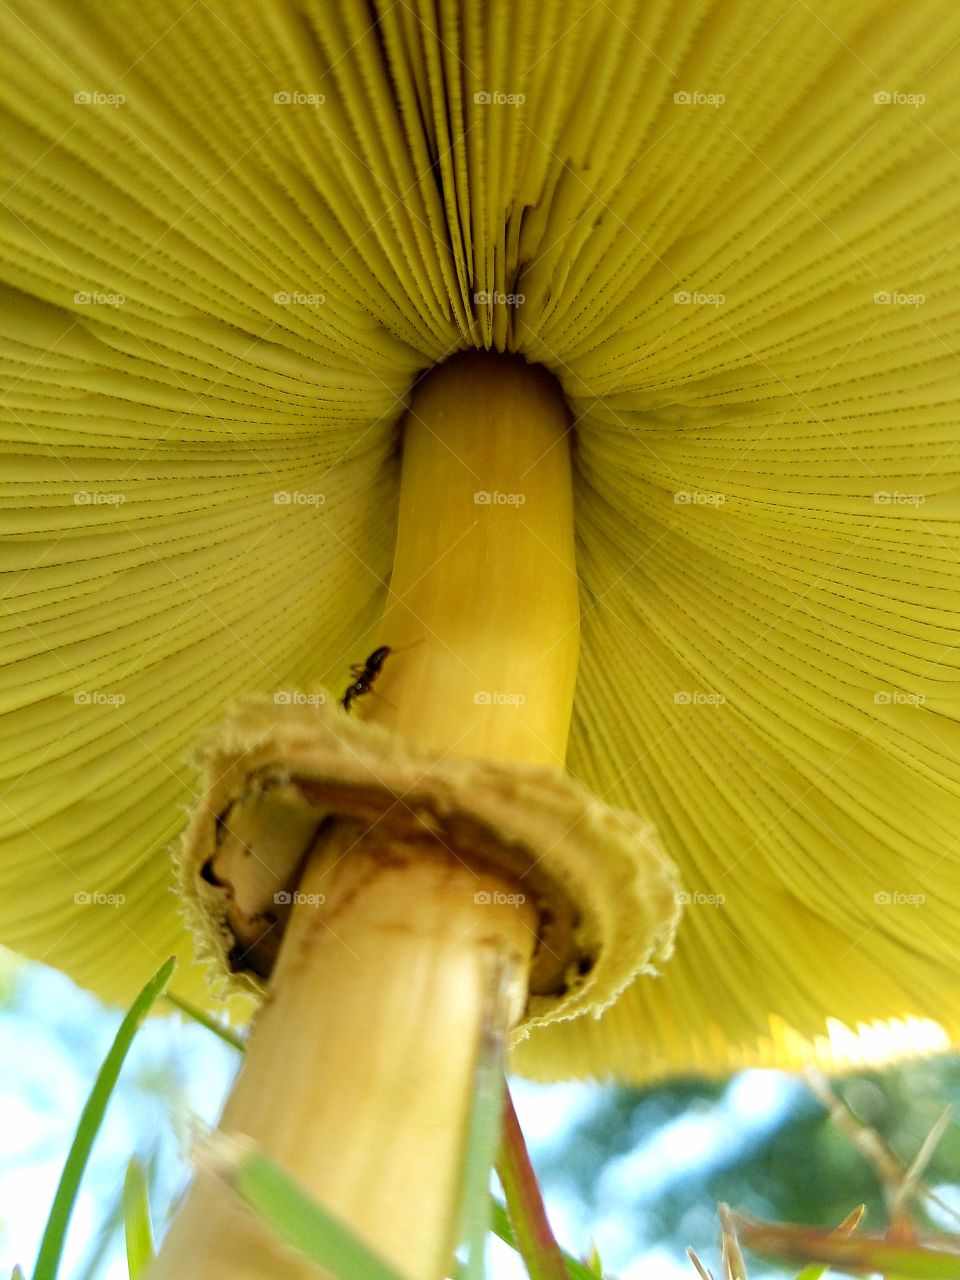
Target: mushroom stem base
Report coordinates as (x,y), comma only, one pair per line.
(359,1071)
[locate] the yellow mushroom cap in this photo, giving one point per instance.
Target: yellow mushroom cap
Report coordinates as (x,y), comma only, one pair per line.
(232,236)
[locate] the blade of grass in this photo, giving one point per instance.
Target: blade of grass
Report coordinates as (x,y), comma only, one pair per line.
(846,1228)
(138,1233)
(199,1015)
(500,1222)
(731,1259)
(285,1206)
(912,1184)
(51,1246)
(536,1242)
(17,1274)
(483,1126)
(593,1262)
(702,1272)
(850,1253)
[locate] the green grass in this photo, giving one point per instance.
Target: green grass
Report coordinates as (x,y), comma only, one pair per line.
(137,1230)
(535,1241)
(283,1204)
(504,1230)
(51,1245)
(224,1033)
(483,1137)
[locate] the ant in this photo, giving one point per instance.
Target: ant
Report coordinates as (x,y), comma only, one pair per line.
(365,674)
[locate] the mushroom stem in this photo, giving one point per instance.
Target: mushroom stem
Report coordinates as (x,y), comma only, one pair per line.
(360,1066)
(484,586)
(359,1069)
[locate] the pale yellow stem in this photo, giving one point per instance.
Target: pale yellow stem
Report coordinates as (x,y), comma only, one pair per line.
(484,584)
(359,1071)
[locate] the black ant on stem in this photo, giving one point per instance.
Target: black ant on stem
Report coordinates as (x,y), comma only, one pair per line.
(365,674)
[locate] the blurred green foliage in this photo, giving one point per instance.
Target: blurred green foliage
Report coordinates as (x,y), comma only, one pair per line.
(801,1169)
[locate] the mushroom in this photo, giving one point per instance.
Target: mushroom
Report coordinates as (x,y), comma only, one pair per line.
(305,301)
